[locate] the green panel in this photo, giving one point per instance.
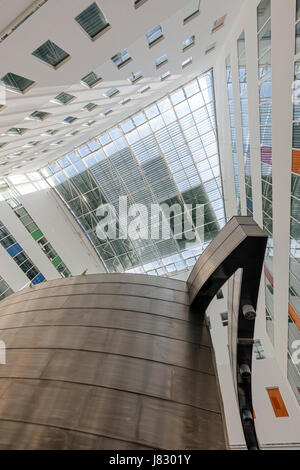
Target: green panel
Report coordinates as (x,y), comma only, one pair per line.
(56,261)
(37,234)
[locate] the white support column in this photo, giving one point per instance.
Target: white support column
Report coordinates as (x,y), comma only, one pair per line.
(238,123)
(283,46)
(253,107)
(224,134)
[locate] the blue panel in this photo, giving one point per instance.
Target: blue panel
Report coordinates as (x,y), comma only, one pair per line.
(249,205)
(14,250)
(38,279)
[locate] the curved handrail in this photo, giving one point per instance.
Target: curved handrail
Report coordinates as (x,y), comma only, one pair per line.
(236,253)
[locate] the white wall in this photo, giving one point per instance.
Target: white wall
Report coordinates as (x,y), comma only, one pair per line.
(62,231)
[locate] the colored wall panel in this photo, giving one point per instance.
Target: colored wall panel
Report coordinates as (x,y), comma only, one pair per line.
(296,162)
(14,250)
(37,234)
(277,403)
(56,261)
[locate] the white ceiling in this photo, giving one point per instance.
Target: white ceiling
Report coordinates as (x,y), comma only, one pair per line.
(55,21)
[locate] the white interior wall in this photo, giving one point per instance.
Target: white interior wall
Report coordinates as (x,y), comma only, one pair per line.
(61,229)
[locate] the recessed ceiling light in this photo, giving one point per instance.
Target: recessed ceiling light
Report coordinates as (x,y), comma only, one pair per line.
(51,54)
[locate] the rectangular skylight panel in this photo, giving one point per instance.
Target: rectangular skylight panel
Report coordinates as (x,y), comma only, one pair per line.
(17,83)
(144,89)
(51,54)
(112,92)
(134,77)
(218,24)
(125,100)
(89,106)
(210,48)
(63,98)
(187,62)
(121,58)
(90,80)
(161,60)
(139,3)
(70,119)
(191,9)
(38,116)
(16,131)
(165,75)
(188,42)
(154,35)
(89,123)
(93,21)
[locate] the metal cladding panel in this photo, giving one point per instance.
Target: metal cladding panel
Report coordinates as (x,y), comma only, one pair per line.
(237,252)
(107,362)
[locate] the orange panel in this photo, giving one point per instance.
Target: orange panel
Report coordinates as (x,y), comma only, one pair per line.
(294,316)
(296,162)
(277,403)
(254,415)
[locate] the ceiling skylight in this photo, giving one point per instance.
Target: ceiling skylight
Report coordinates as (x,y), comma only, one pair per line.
(154,35)
(38,116)
(122,58)
(70,119)
(188,42)
(16,131)
(134,77)
(112,92)
(165,153)
(63,98)
(90,80)
(90,106)
(187,62)
(17,83)
(51,54)
(191,9)
(93,21)
(163,59)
